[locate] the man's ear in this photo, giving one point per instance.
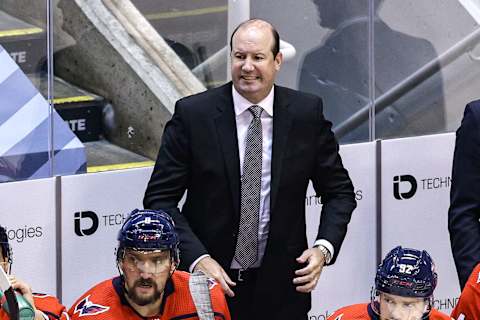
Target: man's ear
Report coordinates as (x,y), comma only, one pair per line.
(278,60)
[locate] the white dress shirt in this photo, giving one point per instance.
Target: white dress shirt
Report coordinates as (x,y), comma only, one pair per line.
(243,117)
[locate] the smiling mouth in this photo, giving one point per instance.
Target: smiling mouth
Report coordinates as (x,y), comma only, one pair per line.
(249,78)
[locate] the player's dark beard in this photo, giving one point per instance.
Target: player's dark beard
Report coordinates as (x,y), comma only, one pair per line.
(143,301)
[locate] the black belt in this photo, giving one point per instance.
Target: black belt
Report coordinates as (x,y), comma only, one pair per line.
(239,275)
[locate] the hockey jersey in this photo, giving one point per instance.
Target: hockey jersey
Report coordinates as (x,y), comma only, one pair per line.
(107,301)
(468,306)
(364,311)
(49,305)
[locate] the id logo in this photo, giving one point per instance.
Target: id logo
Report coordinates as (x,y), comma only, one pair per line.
(83,218)
(404,180)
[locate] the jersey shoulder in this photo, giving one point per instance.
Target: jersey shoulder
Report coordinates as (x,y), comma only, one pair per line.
(474,279)
(354,312)
(100,302)
(468,306)
(437,315)
(49,305)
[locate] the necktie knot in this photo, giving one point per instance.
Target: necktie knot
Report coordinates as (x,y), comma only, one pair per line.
(256,111)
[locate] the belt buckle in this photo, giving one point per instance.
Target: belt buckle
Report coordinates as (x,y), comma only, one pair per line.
(239,275)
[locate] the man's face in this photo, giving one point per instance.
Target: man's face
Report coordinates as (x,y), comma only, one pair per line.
(393,307)
(146,274)
(253,65)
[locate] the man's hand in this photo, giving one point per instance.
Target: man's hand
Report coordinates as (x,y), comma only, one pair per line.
(307,277)
(211,268)
(23,288)
(26,292)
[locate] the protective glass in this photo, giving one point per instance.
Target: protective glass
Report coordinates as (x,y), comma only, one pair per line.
(147,262)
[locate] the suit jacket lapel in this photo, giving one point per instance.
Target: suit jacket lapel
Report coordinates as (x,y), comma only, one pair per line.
(227,137)
(282,120)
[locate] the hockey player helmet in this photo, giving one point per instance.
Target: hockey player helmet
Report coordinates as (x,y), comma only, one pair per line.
(148,230)
(407,272)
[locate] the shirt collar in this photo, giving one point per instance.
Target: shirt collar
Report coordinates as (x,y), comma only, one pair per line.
(241,104)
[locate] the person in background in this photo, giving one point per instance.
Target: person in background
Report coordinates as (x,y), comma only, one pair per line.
(338,71)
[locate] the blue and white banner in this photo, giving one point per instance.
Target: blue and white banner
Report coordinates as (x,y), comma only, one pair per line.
(25,125)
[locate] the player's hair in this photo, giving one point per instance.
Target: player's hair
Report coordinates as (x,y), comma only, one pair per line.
(5,245)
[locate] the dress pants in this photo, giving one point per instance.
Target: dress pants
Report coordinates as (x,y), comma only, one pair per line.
(241,305)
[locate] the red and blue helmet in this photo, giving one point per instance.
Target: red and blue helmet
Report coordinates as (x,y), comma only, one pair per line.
(148,230)
(407,272)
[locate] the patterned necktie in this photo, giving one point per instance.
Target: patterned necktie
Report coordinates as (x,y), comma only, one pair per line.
(246,250)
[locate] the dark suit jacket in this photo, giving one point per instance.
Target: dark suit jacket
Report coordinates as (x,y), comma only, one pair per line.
(199,152)
(464,211)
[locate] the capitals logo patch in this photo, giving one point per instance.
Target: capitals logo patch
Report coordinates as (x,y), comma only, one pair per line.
(87,308)
(211,283)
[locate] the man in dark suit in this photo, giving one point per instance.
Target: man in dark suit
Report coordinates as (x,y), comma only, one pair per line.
(253,147)
(464,212)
